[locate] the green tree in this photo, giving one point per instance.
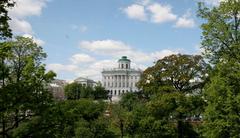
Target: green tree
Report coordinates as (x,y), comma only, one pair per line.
(99,92)
(221,35)
(76,91)
(175,73)
(118,118)
(73,90)
(172,109)
(221,118)
(71,118)
(173,84)
(23,92)
(5,31)
(4,76)
(221,42)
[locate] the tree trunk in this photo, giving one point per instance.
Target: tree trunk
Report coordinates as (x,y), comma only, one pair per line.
(3,127)
(180,126)
(16,118)
(121,127)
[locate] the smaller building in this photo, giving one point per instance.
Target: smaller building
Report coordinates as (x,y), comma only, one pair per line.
(86,81)
(57,88)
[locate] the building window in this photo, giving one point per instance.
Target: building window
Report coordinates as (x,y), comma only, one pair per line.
(123,91)
(115,92)
(119,84)
(123,84)
(127,66)
(122,66)
(119,92)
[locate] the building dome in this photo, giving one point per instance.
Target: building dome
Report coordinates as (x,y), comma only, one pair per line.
(124,58)
(124,63)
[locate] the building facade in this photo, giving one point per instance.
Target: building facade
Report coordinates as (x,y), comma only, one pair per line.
(122,79)
(85,81)
(57,88)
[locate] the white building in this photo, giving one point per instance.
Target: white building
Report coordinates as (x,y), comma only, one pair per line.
(122,79)
(57,88)
(85,81)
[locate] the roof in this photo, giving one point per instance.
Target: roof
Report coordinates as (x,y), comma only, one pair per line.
(81,79)
(124,58)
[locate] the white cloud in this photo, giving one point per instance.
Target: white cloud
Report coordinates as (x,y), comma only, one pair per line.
(112,50)
(161,54)
(24,8)
(136,11)
(20,26)
(104,46)
(185,21)
(161,13)
(117,49)
(36,40)
(81,58)
(60,67)
(146,10)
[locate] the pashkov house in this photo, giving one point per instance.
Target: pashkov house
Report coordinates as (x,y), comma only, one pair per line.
(122,79)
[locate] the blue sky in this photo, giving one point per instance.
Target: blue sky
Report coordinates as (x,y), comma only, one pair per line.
(81,37)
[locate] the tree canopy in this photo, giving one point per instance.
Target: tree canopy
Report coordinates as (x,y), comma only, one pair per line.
(5,31)
(221,31)
(221,42)
(182,73)
(76,91)
(23,91)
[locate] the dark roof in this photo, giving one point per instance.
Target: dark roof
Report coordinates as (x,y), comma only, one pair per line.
(124,58)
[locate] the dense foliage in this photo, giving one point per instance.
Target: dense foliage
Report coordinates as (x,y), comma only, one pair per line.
(23,91)
(76,91)
(5,31)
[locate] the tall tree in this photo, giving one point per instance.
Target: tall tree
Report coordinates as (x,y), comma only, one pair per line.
(24,93)
(221,31)
(221,41)
(221,117)
(169,81)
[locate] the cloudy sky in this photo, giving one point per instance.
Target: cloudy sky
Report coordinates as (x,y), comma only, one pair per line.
(81,37)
